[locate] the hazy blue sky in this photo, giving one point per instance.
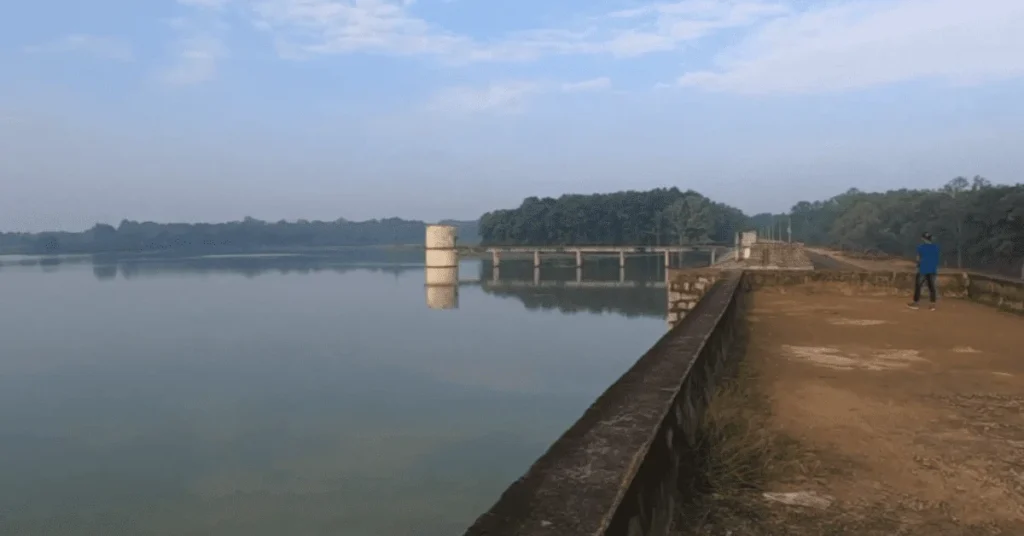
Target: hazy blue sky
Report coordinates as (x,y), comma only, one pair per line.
(217,109)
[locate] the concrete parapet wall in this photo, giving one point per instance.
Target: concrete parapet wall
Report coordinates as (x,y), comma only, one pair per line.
(620,469)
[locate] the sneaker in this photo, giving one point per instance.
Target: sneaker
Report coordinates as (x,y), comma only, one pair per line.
(912,305)
(931,307)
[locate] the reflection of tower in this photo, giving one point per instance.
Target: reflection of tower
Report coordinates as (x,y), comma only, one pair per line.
(442,267)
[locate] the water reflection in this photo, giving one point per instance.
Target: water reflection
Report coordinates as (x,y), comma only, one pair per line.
(442,286)
(601,287)
(108,266)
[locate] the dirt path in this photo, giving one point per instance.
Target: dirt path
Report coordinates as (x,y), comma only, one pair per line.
(906,422)
(872,265)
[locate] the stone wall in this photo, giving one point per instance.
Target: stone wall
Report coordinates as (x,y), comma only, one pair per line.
(853,283)
(686,289)
(620,470)
(1004,293)
(778,255)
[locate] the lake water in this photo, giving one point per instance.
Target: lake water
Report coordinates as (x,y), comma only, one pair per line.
(292,396)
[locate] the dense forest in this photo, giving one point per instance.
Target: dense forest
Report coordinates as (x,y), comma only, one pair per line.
(248,235)
(661,216)
(977,224)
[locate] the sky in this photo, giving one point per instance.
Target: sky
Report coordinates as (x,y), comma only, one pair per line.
(213,110)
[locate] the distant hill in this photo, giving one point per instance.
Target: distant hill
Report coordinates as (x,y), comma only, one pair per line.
(248,235)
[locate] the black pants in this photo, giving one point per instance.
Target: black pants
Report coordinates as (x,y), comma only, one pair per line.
(922,279)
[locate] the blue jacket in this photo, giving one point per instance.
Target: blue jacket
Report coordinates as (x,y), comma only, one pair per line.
(928,254)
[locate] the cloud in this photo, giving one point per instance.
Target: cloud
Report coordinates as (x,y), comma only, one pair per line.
(199,48)
(506,97)
(666,26)
(109,48)
(205,4)
(595,84)
(313,27)
(867,43)
(340,27)
(196,60)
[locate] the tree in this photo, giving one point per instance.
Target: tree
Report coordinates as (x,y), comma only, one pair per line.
(656,216)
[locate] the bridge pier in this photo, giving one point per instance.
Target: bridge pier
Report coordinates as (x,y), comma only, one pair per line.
(622,259)
(668,259)
(579,259)
(496,258)
(713,256)
(536,259)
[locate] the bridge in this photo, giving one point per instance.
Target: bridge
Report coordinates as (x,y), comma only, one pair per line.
(497,252)
(832,371)
(579,283)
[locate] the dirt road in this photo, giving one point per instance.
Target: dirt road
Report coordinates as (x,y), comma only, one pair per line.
(905,422)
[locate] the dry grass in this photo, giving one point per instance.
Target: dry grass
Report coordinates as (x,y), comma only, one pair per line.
(738,455)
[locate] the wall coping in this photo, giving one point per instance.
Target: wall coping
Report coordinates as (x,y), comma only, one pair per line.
(578,485)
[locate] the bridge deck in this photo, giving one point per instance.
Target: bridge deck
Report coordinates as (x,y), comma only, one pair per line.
(906,418)
(609,250)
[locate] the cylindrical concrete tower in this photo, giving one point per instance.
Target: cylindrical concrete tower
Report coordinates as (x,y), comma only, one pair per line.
(442,267)
(440,246)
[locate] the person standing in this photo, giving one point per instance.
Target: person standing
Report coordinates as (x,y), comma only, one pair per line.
(927,269)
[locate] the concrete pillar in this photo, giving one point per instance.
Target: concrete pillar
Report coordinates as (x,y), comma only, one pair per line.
(441,267)
(536,276)
(495,258)
(713,251)
(622,274)
(579,274)
(496,274)
(622,259)
(536,259)
(668,259)
(579,259)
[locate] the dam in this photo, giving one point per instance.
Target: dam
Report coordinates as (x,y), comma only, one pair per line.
(843,371)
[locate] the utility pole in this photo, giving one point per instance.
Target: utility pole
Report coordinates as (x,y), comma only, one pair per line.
(959,229)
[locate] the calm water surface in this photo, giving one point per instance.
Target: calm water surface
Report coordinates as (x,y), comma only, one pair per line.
(302,395)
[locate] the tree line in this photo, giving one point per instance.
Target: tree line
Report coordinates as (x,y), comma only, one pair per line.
(977,224)
(248,235)
(661,216)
